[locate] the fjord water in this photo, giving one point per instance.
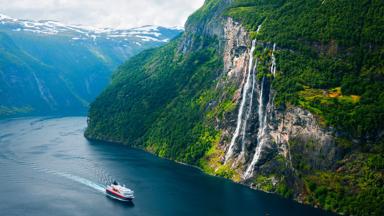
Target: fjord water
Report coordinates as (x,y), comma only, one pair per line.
(49,168)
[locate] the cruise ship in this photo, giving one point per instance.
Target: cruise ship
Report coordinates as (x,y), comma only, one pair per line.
(119,192)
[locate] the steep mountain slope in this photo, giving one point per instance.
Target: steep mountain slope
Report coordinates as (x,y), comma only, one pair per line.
(51,68)
(284,96)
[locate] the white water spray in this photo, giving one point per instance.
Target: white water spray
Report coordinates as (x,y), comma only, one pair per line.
(242,104)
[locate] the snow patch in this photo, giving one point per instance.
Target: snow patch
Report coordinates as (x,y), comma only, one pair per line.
(149,33)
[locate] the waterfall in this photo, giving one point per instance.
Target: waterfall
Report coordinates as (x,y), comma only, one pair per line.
(261,139)
(273,66)
(249,113)
(240,121)
(245,113)
(265,104)
(258,29)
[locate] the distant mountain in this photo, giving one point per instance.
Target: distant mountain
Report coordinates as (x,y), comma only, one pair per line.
(47,67)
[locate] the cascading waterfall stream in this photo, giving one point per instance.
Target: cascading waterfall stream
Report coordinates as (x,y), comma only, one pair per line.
(240,121)
(262,114)
(244,128)
(273,66)
(261,133)
(245,111)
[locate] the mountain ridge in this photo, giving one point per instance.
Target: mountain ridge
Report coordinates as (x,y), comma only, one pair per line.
(52,27)
(51,68)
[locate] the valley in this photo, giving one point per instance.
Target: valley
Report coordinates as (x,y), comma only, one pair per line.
(278,103)
(47,67)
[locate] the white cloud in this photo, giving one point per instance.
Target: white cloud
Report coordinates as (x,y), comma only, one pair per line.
(104,13)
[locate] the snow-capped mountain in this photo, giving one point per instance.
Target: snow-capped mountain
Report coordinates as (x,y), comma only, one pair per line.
(78,32)
(47,67)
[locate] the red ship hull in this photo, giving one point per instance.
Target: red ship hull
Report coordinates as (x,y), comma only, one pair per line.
(117,195)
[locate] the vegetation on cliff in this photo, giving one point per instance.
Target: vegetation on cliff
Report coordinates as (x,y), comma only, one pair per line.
(325,45)
(157,104)
(330,62)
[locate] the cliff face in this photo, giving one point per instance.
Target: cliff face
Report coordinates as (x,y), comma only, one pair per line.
(286,148)
(314,142)
(206,22)
(244,96)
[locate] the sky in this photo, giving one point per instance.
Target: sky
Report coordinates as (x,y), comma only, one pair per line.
(104,13)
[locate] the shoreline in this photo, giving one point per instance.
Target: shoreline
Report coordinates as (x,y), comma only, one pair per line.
(205,173)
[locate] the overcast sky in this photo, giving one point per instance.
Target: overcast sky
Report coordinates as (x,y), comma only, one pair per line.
(104,13)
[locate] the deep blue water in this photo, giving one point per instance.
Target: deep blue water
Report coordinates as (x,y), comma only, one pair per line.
(49,168)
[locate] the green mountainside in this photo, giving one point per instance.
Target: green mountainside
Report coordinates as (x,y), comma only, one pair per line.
(336,44)
(51,84)
(49,68)
(176,101)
